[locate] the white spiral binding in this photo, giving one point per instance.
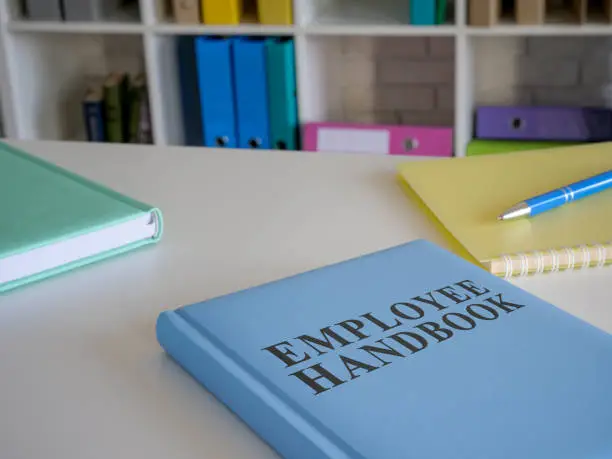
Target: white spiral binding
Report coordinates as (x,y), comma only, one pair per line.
(555,261)
(524,265)
(508,266)
(555,264)
(540,262)
(586,256)
(601,255)
(571,258)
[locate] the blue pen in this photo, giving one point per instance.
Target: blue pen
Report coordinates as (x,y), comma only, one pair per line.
(556,198)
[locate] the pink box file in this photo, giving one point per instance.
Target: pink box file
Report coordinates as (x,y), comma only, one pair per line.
(378,139)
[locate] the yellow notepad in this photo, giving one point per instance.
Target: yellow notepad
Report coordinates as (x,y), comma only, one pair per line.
(465,195)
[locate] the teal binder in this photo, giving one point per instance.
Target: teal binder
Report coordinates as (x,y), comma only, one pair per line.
(423,12)
(283,106)
(54,221)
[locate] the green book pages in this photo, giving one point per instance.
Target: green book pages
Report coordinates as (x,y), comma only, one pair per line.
(116,103)
(486,147)
(54,220)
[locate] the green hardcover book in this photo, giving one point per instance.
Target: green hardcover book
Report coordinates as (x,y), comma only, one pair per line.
(441,8)
(487,147)
(54,221)
(116,102)
(137,95)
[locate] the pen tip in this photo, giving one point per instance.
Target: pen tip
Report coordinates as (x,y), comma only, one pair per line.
(500,217)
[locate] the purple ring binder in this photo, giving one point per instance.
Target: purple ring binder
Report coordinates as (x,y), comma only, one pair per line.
(544,123)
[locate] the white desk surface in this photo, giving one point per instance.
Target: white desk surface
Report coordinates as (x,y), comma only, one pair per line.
(82,375)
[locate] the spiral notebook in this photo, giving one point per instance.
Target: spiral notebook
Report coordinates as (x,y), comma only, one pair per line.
(463,196)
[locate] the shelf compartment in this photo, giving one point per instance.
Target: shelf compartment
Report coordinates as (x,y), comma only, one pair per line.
(127,14)
(550,16)
(167,22)
(384,16)
(542,71)
(378,80)
(176,67)
(166,65)
(55,70)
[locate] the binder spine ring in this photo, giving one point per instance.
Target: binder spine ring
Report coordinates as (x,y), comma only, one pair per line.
(524,265)
(571,259)
(540,262)
(508,266)
(555,261)
(586,256)
(601,255)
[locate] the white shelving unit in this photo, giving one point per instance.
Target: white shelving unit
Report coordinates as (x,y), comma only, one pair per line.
(355,59)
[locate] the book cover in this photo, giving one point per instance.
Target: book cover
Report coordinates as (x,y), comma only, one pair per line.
(407,353)
(191,110)
(249,64)
(186,11)
(484,186)
(93,114)
(116,102)
(282,95)
(441,11)
(275,12)
(423,12)
(44,10)
(221,12)
(137,95)
(89,10)
(378,139)
(581,10)
(607,10)
(530,12)
(484,13)
(553,123)
(55,221)
(145,126)
(486,147)
(216,87)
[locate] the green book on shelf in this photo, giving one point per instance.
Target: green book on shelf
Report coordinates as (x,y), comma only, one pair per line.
(137,95)
(116,103)
(487,147)
(54,220)
(441,6)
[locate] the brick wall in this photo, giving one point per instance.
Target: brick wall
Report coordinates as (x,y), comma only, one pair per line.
(543,71)
(406,80)
(410,80)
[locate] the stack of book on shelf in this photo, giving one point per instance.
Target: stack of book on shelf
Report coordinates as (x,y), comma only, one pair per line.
(500,129)
(117,110)
(233,12)
(487,13)
(238,92)
(75,10)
